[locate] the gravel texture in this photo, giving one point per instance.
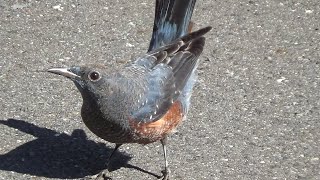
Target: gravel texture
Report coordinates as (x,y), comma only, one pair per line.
(255,111)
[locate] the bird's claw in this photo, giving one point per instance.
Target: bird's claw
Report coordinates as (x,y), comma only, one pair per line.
(165,174)
(100,176)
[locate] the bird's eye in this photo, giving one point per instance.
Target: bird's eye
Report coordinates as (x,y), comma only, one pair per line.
(94,76)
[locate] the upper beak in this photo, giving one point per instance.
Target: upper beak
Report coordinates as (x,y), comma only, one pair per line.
(66,72)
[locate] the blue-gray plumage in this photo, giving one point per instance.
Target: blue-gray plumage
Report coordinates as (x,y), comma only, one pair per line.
(145,100)
(172,20)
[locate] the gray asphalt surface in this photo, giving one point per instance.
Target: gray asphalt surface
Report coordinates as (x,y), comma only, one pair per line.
(254,114)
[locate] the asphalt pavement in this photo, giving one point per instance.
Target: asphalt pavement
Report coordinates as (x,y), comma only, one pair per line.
(255,110)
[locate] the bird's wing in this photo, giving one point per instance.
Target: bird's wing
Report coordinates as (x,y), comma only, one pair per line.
(170,69)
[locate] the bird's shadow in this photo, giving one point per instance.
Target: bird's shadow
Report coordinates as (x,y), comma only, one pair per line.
(59,155)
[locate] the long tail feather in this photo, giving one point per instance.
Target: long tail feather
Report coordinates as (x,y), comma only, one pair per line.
(172,20)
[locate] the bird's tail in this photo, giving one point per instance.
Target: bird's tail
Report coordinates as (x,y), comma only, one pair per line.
(172,20)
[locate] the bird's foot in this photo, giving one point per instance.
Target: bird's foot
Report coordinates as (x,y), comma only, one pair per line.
(103,175)
(165,174)
(100,176)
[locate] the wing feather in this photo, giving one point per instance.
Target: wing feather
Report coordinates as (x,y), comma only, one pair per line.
(169,70)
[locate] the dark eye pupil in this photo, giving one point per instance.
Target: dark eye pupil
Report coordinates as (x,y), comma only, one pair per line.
(94,76)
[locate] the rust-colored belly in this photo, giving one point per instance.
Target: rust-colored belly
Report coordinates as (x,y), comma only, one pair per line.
(153,131)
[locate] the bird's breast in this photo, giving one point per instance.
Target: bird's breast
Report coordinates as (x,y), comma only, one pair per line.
(148,132)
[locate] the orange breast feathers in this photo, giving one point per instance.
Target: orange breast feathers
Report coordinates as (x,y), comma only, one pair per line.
(154,131)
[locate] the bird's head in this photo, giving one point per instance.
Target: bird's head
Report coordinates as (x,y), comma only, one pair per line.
(87,79)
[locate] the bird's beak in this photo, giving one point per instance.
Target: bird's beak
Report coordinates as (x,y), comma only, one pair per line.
(71,73)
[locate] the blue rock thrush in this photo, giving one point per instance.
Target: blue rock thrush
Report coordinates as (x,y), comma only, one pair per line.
(147,99)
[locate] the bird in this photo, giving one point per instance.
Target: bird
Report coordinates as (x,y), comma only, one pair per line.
(144,101)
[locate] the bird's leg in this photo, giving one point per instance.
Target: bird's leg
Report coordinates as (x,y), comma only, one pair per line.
(112,153)
(101,174)
(166,171)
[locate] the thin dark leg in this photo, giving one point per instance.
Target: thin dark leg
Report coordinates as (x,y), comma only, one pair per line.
(114,150)
(166,171)
(101,175)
